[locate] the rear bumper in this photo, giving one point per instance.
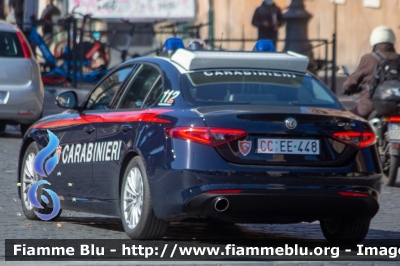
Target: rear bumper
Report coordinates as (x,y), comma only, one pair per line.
(24,103)
(262,198)
(282,206)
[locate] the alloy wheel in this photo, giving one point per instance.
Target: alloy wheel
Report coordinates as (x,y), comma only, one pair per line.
(133,198)
(29,178)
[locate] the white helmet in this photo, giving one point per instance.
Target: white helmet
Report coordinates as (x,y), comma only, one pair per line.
(382,34)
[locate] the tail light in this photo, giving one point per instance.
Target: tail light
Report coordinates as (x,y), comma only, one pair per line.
(357,140)
(224,191)
(394,119)
(206,135)
(353,194)
(54,80)
(26,49)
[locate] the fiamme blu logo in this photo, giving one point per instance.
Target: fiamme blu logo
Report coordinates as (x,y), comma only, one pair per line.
(43,165)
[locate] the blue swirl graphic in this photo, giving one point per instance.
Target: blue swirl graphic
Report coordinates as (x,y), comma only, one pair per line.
(44,170)
(32,193)
(44,153)
(56,201)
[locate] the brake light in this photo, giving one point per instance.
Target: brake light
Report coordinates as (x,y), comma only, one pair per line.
(394,119)
(206,135)
(353,194)
(358,140)
(26,49)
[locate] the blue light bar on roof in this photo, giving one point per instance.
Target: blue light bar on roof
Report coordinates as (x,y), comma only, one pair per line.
(264,46)
(173,44)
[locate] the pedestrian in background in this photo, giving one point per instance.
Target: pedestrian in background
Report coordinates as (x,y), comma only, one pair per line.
(18,7)
(382,41)
(47,18)
(268,18)
(10,18)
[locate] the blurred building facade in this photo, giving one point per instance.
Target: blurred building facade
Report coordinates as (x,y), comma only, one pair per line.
(355,22)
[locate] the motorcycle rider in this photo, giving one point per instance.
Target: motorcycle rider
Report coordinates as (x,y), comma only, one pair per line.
(382,40)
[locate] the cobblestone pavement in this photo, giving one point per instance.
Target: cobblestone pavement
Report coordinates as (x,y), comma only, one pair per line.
(74,225)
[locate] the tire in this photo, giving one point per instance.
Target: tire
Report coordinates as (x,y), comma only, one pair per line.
(220,223)
(384,154)
(3,127)
(27,178)
(345,231)
(393,170)
(24,128)
(137,214)
(389,165)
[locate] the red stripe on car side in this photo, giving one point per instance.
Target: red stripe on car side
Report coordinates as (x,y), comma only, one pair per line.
(149,116)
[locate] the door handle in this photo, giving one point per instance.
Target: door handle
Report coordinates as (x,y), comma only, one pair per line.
(89,129)
(126,128)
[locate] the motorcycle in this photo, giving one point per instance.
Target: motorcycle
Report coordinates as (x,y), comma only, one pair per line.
(385,121)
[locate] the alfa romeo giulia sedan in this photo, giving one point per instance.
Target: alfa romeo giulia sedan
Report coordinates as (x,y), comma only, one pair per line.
(235,137)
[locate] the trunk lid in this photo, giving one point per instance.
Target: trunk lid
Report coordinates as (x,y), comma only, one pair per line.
(270,141)
(15,71)
(15,62)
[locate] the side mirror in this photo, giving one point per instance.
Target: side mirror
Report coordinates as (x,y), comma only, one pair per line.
(67,100)
(343,70)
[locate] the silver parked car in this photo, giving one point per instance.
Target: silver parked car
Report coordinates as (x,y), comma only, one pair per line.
(21,87)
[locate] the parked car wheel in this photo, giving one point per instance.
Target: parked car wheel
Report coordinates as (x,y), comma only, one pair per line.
(137,213)
(3,127)
(24,128)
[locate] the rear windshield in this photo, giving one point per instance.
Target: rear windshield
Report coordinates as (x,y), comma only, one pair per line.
(255,87)
(9,45)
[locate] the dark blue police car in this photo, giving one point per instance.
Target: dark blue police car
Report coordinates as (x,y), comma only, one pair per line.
(236,137)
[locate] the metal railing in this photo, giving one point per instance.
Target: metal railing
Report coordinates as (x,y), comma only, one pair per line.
(71,29)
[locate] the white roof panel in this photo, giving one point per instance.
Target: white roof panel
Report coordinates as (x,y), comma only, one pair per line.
(196,60)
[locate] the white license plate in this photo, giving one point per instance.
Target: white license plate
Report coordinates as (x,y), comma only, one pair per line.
(288,146)
(394,131)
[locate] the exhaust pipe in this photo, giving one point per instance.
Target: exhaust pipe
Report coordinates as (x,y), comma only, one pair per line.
(221,204)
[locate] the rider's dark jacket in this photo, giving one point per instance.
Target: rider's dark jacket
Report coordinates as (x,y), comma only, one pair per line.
(363,76)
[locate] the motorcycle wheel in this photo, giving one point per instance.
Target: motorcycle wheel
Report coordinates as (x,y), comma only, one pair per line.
(394,167)
(386,160)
